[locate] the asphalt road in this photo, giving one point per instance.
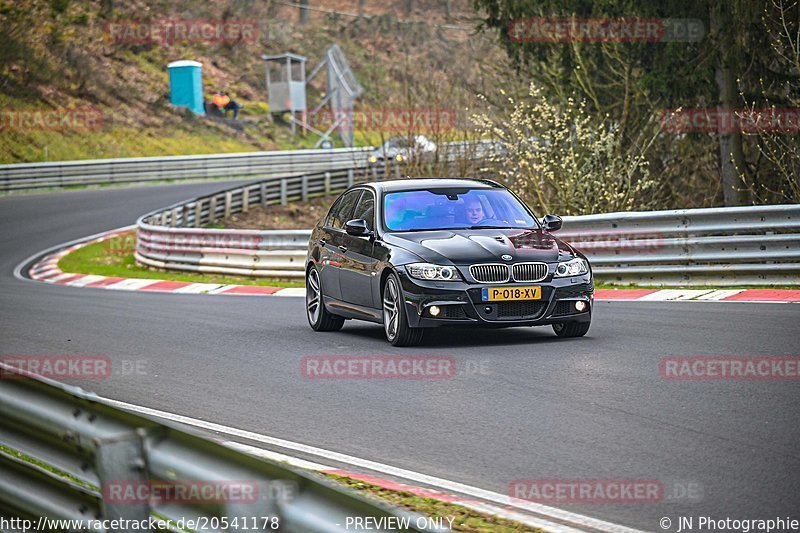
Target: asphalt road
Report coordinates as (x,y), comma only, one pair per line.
(525,405)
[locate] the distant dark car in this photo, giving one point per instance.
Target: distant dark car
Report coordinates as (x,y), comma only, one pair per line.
(421,253)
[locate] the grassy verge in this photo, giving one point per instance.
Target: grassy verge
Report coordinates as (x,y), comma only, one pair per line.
(464,519)
(106,259)
(49,468)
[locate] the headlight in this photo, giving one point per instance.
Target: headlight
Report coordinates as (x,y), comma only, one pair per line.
(399,157)
(431,272)
(573,267)
(373,159)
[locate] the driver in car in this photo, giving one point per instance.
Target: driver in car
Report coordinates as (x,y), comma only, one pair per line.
(474,211)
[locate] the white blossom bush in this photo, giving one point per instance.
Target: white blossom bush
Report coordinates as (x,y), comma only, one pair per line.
(561,159)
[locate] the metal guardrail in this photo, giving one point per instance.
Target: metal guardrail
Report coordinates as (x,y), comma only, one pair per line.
(755,245)
(141,169)
(67,455)
(758,245)
(172,238)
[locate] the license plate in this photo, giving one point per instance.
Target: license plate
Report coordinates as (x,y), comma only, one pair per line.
(499,294)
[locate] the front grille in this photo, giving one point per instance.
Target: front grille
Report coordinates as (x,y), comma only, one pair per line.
(491,273)
(530,271)
(516,310)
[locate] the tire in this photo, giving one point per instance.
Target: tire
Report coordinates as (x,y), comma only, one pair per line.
(395,321)
(571,329)
(319,318)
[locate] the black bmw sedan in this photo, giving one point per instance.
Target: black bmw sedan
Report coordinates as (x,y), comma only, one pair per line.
(421,253)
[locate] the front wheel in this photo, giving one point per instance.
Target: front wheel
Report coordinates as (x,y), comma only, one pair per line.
(318,317)
(571,329)
(395,321)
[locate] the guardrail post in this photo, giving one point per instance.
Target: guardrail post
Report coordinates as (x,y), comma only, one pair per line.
(228,197)
(198,213)
(212,210)
(263,194)
(304,188)
(397,171)
(121,468)
(174,217)
(245,200)
(374,174)
(284,192)
(351,177)
(328,183)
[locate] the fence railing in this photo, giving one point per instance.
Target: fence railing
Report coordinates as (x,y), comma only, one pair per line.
(755,245)
(64,454)
(140,169)
(758,245)
(172,238)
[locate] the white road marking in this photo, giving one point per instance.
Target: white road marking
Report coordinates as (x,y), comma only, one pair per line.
(85,280)
(291,291)
(552,513)
(674,294)
(59,277)
(198,288)
(720,294)
(475,505)
(132,284)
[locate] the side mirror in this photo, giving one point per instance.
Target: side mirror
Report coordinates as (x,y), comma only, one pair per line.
(357,228)
(551,223)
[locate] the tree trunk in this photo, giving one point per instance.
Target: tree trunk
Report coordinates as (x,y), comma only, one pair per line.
(732,162)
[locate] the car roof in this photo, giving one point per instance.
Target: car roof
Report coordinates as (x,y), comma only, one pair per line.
(411,184)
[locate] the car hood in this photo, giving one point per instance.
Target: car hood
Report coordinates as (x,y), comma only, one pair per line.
(467,247)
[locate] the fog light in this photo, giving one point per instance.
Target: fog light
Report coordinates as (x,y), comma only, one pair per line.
(580,306)
(434,310)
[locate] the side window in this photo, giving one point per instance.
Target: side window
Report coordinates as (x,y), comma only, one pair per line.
(332,213)
(366,209)
(342,210)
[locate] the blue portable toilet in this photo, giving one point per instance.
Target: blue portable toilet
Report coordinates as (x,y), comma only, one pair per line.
(186,85)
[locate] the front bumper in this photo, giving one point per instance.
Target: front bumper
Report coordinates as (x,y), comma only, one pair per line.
(461,305)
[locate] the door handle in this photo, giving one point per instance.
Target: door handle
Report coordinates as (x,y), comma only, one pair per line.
(343,248)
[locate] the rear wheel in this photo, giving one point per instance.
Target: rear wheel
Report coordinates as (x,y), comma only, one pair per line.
(318,317)
(571,329)
(395,321)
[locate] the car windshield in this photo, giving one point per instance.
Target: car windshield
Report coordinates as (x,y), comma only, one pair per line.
(434,209)
(400,142)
